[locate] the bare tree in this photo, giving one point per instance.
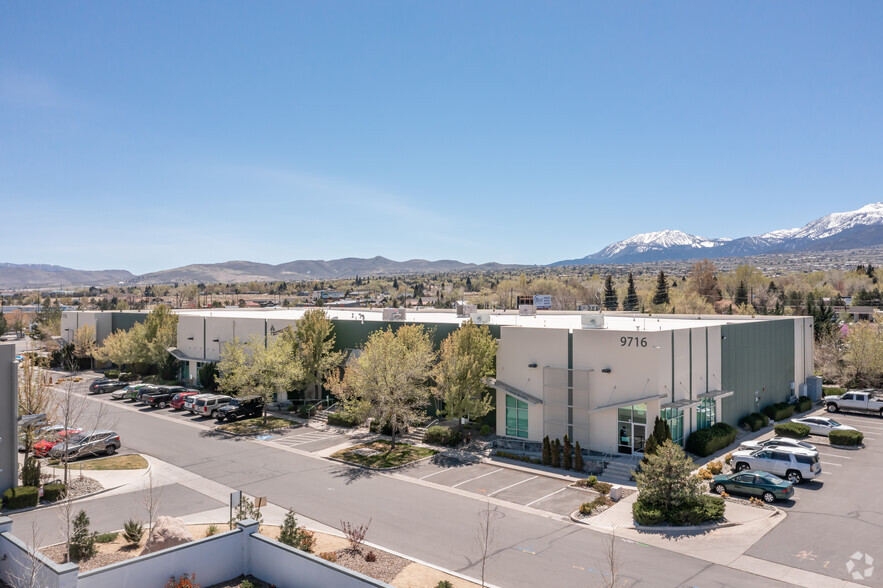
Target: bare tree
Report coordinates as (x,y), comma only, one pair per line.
(34,396)
(29,565)
(65,522)
(486,535)
(612,562)
(150,498)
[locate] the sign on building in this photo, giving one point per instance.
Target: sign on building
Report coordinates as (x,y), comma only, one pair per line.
(542,301)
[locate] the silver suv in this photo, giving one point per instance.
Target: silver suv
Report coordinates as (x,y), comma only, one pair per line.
(83,444)
(793,464)
(209,405)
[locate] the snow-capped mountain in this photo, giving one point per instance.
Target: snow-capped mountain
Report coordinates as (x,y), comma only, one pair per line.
(839,230)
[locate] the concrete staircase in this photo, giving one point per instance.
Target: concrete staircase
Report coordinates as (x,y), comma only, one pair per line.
(618,471)
(413,436)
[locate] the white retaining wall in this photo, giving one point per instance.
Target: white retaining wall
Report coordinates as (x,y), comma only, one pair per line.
(17,567)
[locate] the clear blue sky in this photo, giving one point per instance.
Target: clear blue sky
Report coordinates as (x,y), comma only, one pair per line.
(149,135)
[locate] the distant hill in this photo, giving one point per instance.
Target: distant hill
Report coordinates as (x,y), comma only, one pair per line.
(833,232)
(48,276)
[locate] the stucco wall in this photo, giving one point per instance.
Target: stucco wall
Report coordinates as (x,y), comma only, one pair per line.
(8,417)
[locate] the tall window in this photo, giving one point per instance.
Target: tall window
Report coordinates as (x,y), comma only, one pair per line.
(516,417)
(675,419)
(705,416)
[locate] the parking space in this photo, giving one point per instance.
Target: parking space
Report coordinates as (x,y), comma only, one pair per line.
(516,486)
(308,439)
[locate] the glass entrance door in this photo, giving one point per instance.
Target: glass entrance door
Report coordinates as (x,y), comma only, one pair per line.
(632,428)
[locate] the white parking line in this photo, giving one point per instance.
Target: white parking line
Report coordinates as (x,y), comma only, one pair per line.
(833,464)
(546,496)
(432,474)
(835,455)
(477,477)
(512,485)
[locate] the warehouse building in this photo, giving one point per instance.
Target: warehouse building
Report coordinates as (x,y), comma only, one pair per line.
(602,379)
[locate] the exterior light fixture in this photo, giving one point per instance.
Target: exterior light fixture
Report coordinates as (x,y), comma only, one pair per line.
(531,365)
(606,370)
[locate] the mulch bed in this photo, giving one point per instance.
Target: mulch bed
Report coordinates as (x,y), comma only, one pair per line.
(385,568)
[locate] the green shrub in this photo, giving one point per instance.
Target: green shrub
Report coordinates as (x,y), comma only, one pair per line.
(833,391)
(485,430)
(803,404)
(587,508)
(82,542)
(602,487)
(53,492)
(592,480)
(517,457)
(343,420)
(246,584)
(755,421)
(714,438)
(444,584)
(779,411)
(112,374)
(211,530)
(438,435)
(644,514)
(30,472)
(715,467)
(106,537)
(794,430)
(848,438)
(386,429)
(21,497)
(701,510)
(305,412)
(128,377)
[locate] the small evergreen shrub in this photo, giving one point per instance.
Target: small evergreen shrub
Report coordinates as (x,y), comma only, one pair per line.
(804,403)
(211,530)
(793,430)
(645,514)
(485,430)
(343,420)
(132,532)
(21,497)
(704,442)
(444,584)
(54,492)
(246,584)
(567,454)
(439,435)
(329,555)
(779,411)
(106,537)
(296,536)
(30,472)
(82,543)
(755,421)
(578,464)
(846,438)
(547,451)
(556,454)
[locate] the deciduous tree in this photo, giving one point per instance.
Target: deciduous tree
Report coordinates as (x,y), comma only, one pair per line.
(312,342)
(467,359)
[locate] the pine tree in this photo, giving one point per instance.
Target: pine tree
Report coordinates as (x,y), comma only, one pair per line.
(556,454)
(741,294)
(82,542)
(611,301)
(567,460)
(547,451)
(666,480)
(631,298)
(295,536)
(468,284)
(661,295)
(578,458)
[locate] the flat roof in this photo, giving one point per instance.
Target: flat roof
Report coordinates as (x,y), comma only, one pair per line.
(543,319)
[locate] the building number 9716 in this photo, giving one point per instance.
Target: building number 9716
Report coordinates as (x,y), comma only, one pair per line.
(633,341)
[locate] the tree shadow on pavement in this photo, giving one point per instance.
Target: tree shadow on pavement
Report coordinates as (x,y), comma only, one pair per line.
(353,473)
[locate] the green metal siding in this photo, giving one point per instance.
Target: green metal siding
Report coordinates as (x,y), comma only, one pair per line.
(755,357)
(122,320)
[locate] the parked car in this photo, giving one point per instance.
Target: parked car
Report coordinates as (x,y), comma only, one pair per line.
(162,396)
(750,483)
(178,399)
(822,425)
(42,446)
(861,401)
(108,386)
(778,442)
(190,401)
(247,406)
(210,405)
(84,444)
(93,387)
(125,392)
(138,393)
(795,465)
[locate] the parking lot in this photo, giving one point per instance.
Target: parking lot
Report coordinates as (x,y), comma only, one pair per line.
(524,488)
(835,520)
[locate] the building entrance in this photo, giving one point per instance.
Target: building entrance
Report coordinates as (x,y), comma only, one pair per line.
(632,427)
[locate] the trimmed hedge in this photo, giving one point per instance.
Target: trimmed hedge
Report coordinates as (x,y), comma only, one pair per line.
(848,438)
(832,391)
(702,509)
(804,403)
(342,420)
(706,441)
(438,435)
(128,377)
(755,421)
(793,430)
(779,411)
(53,492)
(21,497)
(112,374)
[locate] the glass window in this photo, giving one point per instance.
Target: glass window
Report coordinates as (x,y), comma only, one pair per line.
(705,416)
(675,419)
(639,413)
(516,417)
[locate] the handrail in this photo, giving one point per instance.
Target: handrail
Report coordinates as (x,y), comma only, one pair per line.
(431,424)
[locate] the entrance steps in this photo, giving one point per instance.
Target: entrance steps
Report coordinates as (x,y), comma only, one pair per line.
(618,471)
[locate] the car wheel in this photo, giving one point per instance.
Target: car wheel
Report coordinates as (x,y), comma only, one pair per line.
(162,404)
(741,467)
(832,408)
(768,497)
(794,476)
(111,449)
(719,489)
(214,414)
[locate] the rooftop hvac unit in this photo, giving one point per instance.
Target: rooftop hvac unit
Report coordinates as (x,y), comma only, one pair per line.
(527,310)
(592,321)
(464,310)
(393,314)
(480,318)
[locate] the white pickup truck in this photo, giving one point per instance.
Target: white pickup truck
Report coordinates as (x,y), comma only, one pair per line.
(863,401)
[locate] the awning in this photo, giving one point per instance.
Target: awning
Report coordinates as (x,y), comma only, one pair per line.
(503,387)
(715,394)
(626,403)
(181,356)
(679,404)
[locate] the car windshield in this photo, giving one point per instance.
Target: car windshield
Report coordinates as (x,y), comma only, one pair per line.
(79,438)
(234,403)
(769,478)
(833,423)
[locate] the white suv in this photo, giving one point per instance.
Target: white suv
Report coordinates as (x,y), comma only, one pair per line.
(209,405)
(795,465)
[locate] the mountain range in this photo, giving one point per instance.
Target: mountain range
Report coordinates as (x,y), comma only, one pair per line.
(833,232)
(836,231)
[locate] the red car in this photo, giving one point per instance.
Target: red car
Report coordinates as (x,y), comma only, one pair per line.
(177,401)
(42,447)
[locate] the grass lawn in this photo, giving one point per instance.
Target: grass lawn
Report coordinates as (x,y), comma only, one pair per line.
(116,462)
(383,458)
(255,425)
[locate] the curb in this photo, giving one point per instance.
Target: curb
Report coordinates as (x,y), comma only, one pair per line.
(514,466)
(847,447)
